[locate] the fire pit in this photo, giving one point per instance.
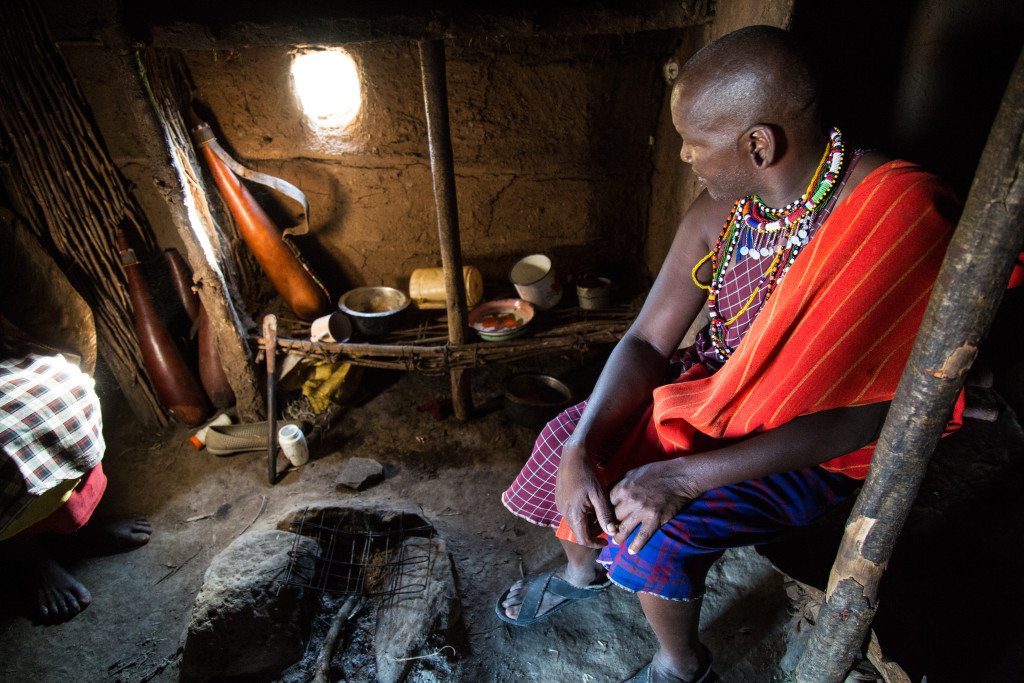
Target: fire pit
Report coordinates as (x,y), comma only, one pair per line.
(374,590)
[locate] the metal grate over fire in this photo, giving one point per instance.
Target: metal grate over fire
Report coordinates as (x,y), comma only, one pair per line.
(384,596)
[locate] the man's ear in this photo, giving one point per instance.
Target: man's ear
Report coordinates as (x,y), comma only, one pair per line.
(762,145)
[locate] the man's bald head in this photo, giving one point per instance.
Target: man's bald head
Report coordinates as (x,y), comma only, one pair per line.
(753,75)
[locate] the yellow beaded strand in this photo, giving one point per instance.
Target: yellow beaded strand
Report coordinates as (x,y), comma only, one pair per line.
(693,273)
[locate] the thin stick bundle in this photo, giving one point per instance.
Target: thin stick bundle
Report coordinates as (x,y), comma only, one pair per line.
(69,189)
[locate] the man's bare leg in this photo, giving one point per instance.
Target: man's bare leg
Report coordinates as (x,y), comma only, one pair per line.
(681,656)
(581,569)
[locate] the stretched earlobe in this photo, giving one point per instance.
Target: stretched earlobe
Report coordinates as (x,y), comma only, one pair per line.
(761,145)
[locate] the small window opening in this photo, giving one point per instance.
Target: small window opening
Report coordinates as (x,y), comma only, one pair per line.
(326,81)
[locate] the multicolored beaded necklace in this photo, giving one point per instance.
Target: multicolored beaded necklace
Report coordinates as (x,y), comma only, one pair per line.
(756,231)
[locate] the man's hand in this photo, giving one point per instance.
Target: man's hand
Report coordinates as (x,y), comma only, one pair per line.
(582,500)
(648,497)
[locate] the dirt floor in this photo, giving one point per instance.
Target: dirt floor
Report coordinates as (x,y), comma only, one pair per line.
(452,472)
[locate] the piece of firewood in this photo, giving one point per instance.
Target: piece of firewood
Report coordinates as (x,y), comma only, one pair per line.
(323,660)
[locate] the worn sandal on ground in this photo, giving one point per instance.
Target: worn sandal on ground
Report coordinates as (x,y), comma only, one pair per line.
(540,584)
(646,674)
(228,439)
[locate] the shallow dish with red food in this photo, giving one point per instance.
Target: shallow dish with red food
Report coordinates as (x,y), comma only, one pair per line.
(501,319)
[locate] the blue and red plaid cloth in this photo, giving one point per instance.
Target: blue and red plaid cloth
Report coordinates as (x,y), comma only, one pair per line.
(50,428)
(674,563)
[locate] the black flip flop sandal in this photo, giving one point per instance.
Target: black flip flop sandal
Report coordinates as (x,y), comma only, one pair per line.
(540,584)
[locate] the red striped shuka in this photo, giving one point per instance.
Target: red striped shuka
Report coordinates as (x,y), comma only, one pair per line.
(836,333)
(838,330)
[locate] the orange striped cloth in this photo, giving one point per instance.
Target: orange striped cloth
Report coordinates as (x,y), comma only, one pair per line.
(838,330)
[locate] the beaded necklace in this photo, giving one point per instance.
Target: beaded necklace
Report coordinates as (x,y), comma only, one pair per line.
(756,231)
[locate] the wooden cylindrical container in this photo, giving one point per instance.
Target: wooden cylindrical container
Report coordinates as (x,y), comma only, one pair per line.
(426,287)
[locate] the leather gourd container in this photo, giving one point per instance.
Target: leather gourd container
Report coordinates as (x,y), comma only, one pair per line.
(282,266)
(211,371)
(175,385)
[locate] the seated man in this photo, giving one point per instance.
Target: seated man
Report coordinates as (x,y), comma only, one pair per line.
(51,479)
(51,439)
(826,294)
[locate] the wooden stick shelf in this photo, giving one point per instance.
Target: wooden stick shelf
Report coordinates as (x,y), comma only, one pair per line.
(426,347)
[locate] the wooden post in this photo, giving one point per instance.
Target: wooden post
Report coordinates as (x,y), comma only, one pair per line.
(442,168)
(964,302)
(270,348)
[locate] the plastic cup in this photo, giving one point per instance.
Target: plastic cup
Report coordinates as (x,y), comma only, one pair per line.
(535,281)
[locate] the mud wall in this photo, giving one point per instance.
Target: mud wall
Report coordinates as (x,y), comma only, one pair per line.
(919,80)
(561,145)
(552,142)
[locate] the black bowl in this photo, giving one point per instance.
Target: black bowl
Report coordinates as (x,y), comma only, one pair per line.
(532,400)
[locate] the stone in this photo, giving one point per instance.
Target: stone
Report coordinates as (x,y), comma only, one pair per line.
(245,621)
(361,473)
(420,614)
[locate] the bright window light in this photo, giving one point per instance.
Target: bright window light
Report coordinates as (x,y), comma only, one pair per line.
(327,85)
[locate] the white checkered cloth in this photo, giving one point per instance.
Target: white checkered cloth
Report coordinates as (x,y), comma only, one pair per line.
(50,428)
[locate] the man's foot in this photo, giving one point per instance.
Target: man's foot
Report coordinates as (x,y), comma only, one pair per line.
(556,589)
(59,595)
(115,536)
(661,670)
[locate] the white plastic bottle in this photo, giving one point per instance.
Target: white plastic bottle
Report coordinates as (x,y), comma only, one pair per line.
(293,445)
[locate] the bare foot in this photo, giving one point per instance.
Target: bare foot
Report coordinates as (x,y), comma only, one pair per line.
(115,536)
(59,595)
(591,575)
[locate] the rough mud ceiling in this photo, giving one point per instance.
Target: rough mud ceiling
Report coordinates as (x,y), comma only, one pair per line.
(220,25)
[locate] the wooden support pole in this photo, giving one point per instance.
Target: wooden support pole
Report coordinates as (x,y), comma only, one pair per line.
(964,302)
(442,168)
(270,349)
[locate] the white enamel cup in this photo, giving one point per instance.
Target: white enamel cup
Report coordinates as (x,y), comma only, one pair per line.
(535,281)
(335,327)
(594,293)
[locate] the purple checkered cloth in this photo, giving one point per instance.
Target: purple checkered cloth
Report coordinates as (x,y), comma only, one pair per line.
(50,428)
(742,277)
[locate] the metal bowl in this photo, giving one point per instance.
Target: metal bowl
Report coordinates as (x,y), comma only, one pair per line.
(374,310)
(532,400)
